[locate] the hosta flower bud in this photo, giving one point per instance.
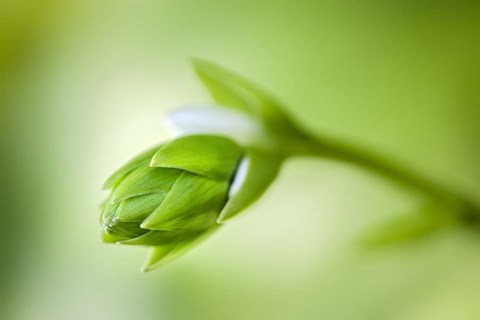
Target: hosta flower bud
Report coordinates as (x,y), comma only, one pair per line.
(171,196)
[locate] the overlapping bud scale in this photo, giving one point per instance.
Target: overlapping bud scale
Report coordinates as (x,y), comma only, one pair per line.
(171,195)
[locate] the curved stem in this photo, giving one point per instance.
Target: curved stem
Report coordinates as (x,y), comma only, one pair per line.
(308,145)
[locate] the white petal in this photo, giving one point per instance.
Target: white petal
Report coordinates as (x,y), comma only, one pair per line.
(239,177)
(216,120)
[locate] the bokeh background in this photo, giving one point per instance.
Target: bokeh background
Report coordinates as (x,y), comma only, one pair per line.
(84,85)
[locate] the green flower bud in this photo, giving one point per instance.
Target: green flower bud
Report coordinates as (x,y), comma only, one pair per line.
(172,195)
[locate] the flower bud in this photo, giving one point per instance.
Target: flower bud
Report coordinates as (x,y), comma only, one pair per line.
(172,195)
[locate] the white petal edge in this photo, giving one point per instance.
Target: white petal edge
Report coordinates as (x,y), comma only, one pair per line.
(239,177)
(234,124)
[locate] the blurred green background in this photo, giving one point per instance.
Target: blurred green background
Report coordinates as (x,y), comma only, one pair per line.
(84,85)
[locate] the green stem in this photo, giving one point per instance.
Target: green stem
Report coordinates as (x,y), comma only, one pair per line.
(308,145)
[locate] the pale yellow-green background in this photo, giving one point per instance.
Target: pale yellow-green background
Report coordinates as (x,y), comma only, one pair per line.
(84,85)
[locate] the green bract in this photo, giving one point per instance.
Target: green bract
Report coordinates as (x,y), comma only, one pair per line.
(231,91)
(172,195)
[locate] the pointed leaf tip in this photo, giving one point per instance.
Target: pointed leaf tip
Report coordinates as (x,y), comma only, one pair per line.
(226,88)
(190,195)
(254,175)
(230,90)
(161,255)
(120,174)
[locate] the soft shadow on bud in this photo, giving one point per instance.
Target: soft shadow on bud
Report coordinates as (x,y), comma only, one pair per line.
(172,196)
